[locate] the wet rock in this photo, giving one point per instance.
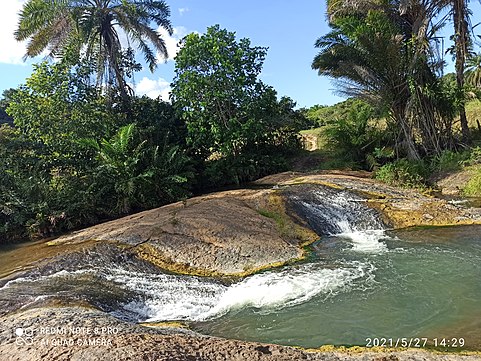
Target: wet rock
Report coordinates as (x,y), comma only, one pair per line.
(330,210)
(399,207)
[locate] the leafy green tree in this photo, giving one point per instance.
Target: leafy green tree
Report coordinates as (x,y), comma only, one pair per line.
(216,87)
(89,28)
(354,137)
(157,122)
(17,165)
(52,179)
(236,127)
(323,115)
(45,167)
(56,107)
(117,175)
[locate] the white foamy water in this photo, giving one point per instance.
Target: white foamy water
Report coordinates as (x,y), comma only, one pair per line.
(370,241)
(169,297)
(163,297)
(344,214)
(293,286)
(166,297)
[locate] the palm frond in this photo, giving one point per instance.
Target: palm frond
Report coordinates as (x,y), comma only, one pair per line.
(58,25)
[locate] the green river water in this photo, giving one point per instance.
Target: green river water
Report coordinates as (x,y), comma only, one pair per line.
(425,283)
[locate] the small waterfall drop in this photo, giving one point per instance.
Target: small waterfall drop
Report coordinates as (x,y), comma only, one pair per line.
(334,212)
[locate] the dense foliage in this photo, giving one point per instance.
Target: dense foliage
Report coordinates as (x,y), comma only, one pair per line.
(235,123)
(71,160)
(74,155)
(387,55)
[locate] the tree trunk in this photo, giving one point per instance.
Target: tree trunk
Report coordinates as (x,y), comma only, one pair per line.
(407,143)
(461,43)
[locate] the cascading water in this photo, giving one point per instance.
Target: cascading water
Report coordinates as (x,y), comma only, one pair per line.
(149,296)
(188,298)
(333,212)
(328,212)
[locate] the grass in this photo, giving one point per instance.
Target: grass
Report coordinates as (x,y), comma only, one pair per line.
(314,131)
(473,187)
(317,133)
(473,113)
(278,218)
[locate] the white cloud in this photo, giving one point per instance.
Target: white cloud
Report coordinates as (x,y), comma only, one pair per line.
(12,51)
(153,88)
(183,10)
(172,41)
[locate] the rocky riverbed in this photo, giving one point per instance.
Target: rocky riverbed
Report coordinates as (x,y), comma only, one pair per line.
(225,234)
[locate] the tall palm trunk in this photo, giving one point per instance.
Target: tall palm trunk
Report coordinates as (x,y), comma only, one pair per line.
(461,43)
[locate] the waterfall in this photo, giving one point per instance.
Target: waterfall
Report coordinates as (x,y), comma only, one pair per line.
(341,213)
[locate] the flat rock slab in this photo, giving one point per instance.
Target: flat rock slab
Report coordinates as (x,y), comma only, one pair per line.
(239,232)
(224,233)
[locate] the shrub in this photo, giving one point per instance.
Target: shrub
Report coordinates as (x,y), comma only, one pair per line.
(240,169)
(353,138)
(473,187)
(448,161)
(404,173)
(474,156)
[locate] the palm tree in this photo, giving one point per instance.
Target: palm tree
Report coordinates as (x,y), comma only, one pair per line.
(473,71)
(89,29)
(386,55)
(461,44)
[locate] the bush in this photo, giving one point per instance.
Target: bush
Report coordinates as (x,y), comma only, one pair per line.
(240,169)
(72,159)
(404,173)
(353,138)
(474,156)
(134,176)
(473,187)
(448,161)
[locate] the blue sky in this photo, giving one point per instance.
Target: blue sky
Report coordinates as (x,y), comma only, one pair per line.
(287,27)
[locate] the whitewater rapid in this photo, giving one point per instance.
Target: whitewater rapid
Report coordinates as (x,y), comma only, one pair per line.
(171,297)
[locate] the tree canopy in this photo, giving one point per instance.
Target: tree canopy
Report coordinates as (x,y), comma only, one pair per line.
(217,89)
